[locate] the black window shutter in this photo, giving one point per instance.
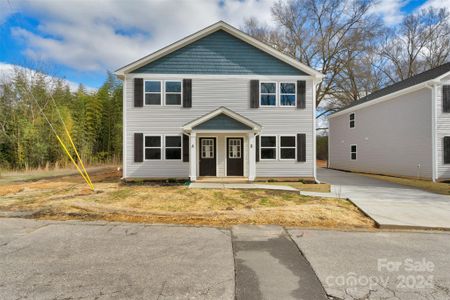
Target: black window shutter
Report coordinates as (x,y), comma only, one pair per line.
(257,147)
(301,94)
(446,98)
(254,93)
(301,147)
(187,92)
(138,92)
(447,150)
(185,148)
(138,147)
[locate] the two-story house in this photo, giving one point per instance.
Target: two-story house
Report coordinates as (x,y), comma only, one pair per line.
(400,130)
(218,103)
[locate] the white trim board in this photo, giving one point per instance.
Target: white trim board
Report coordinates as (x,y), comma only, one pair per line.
(221,25)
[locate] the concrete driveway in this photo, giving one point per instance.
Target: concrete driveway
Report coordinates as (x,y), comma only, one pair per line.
(378,265)
(390,205)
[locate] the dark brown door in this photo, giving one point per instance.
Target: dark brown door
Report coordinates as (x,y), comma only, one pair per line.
(207,156)
(235,157)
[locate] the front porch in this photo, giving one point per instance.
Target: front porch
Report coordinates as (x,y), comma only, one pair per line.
(222,147)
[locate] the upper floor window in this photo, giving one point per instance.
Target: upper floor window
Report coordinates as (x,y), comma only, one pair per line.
(268,94)
(152,89)
(173,92)
(288,94)
(446,98)
(352,120)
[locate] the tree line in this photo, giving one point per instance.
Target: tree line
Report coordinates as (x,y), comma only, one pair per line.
(351,44)
(93,119)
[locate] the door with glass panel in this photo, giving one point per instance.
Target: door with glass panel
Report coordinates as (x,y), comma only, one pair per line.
(207,156)
(235,157)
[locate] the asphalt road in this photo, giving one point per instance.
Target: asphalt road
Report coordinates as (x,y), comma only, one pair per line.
(100,260)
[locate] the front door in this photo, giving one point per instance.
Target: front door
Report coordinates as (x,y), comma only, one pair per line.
(207,156)
(235,157)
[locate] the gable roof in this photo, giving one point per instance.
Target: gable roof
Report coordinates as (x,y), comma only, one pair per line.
(207,31)
(410,82)
(218,117)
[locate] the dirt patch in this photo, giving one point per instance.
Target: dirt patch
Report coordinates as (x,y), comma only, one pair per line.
(68,197)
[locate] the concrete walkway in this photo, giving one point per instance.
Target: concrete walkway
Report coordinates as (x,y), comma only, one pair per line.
(270,266)
(390,205)
(214,185)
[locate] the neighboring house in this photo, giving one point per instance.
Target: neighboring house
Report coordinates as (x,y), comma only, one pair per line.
(401,130)
(218,103)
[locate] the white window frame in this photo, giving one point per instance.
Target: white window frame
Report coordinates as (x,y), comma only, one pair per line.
(213,145)
(280,147)
(356,152)
(173,93)
(261,147)
(161,92)
(181,147)
(279,93)
(350,120)
(161,147)
(276,94)
(241,142)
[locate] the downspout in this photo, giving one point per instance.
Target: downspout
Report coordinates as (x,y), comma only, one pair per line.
(433,88)
(314,86)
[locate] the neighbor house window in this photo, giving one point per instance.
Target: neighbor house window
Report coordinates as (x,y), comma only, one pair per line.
(173,147)
(173,92)
(446,150)
(353,152)
(152,147)
(268,94)
(287,147)
(287,94)
(352,120)
(268,147)
(152,89)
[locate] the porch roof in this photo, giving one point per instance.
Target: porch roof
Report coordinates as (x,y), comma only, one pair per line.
(222,119)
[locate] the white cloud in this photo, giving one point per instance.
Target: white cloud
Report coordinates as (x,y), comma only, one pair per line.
(437,4)
(389,10)
(89,35)
(8,70)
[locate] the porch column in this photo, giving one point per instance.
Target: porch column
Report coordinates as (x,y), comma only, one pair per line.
(251,157)
(193,156)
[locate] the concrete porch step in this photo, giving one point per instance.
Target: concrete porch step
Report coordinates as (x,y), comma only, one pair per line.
(218,185)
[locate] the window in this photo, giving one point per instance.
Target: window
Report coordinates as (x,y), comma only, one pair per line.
(268,147)
(268,94)
(287,147)
(446,150)
(446,98)
(353,152)
(234,148)
(173,92)
(173,147)
(152,147)
(207,148)
(152,91)
(288,94)
(352,120)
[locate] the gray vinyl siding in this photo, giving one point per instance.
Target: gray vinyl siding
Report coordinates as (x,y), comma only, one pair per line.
(392,137)
(442,129)
(209,94)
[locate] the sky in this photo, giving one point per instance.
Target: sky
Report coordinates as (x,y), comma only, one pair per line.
(80,40)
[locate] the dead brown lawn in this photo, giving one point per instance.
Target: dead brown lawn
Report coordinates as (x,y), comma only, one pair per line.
(68,198)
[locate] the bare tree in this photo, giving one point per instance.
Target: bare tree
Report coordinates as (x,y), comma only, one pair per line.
(420,42)
(328,35)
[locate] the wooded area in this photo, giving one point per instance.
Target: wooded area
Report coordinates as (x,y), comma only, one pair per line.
(94,120)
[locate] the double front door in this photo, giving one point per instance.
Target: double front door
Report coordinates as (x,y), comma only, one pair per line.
(234,153)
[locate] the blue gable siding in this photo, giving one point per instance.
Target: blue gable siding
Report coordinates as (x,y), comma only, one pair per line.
(219,53)
(222,122)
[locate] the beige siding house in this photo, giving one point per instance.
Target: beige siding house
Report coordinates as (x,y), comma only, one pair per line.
(401,130)
(218,104)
